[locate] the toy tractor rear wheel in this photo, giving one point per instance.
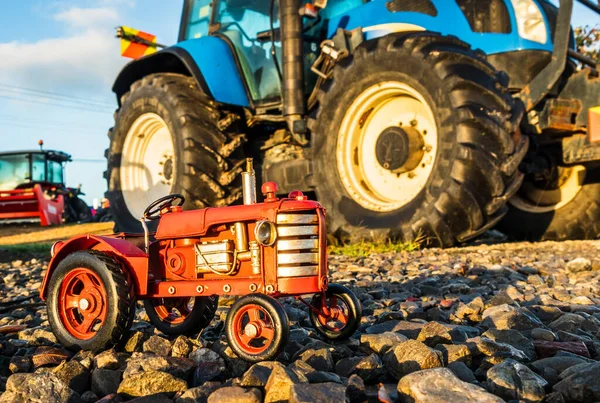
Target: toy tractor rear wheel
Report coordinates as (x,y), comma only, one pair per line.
(565,205)
(90,301)
(338,314)
(171,138)
(257,328)
(416,135)
(176,316)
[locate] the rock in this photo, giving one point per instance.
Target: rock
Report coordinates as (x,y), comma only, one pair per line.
(579,264)
(582,385)
(454,353)
(441,385)
(557,364)
(512,380)
(461,371)
(380,343)
(546,313)
(89,397)
(235,394)
(38,337)
(74,375)
(410,356)
(471,311)
(150,383)
(355,389)
(434,333)
(486,346)
(512,338)
(20,364)
(257,375)
(279,385)
(383,327)
(48,356)
(509,317)
(107,360)
(157,345)
(408,329)
(320,359)
(105,381)
(176,366)
(543,334)
(182,347)
(369,368)
(568,322)
(23,388)
(550,348)
(135,342)
(199,394)
(321,392)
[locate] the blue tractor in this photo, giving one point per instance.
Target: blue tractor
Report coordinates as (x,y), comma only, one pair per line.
(439,118)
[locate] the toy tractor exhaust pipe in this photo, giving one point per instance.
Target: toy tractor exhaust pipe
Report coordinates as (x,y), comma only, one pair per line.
(293,67)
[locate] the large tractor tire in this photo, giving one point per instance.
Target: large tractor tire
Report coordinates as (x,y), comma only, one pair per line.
(564,206)
(171,138)
(416,135)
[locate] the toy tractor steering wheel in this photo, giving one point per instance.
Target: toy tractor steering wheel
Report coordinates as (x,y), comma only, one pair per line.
(152,212)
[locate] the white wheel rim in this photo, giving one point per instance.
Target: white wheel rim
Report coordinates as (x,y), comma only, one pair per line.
(384,105)
(147,164)
(534,200)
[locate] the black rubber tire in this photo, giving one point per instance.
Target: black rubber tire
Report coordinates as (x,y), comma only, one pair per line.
(578,219)
(199,318)
(81,209)
(120,295)
(281,326)
(207,138)
(475,172)
(354,312)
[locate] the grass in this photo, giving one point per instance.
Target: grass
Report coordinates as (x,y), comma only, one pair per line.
(365,248)
(23,235)
(36,248)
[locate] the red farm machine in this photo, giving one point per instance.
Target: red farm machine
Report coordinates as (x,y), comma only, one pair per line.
(258,251)
(32,189)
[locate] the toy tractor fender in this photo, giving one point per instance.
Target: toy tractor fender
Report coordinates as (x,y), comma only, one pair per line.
(207,59)
(131,257)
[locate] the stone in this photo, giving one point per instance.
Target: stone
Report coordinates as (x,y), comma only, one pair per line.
(177,366)
(38,337)
(486,346)
(89,397)
(568,322)
(434,333)
(135,342)
(512,380)
(441,385)
(543,334)
(321,392)
(182,347)
(74,375)
(410,356)
(257,375)
(369,368)
(454,353)
(471,311)
(582,385)
(513,338)
(355,389)
(557,364)
(280,382)
(320,359)
(381,343)
(461,370)
(105,381)
(550,348)
(150,383)
(510,317)
(157,345)
(48,356)
(579,264)
(23,388)
(235,394)
(408,329)
(198,394)
(545,313)
(108,359)
(20,364)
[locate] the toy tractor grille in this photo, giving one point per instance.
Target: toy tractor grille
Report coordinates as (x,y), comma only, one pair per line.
(298,253)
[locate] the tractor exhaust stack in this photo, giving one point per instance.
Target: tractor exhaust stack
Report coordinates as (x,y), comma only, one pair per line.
(249,183)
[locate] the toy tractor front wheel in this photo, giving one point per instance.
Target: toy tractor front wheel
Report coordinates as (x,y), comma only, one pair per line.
(181,315)
(90,301)
(257,328)
(336,316)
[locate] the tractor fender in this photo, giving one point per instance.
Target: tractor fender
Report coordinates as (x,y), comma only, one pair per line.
(131,257)
(210,60)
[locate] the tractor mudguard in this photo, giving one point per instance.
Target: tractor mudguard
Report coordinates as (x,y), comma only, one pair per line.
(133,258)
(210,60)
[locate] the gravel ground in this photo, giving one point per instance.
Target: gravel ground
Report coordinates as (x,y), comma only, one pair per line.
(509,322)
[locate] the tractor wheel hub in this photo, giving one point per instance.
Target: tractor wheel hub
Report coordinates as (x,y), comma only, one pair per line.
(84,304)
(251,330)
(399,149)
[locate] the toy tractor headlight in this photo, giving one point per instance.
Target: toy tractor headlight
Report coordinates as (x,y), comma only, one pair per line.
(265,233)
(530,21)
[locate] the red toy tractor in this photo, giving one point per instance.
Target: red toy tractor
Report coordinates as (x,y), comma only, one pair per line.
(258,251)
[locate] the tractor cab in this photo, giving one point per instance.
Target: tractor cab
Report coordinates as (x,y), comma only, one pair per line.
(21,169)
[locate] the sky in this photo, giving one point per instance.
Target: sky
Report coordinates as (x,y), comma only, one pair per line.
(58,61)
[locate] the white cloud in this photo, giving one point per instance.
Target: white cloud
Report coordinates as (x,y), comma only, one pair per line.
(88,17)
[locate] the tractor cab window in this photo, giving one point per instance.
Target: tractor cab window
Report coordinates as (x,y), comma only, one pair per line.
(38,167)
(14,171)
(195,19)
(241,21)
(55,172)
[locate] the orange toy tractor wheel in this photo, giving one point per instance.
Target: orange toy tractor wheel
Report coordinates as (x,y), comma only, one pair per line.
(181,315)
(257,328)
(90,301)
(336,316)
